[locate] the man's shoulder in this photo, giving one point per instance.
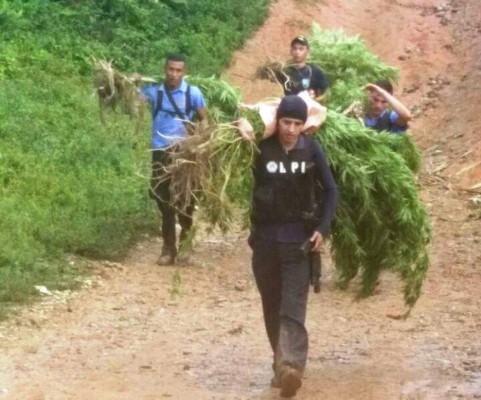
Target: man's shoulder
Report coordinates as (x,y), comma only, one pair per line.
(195,91)
(316,69)
(312,144)
(267,142)
(150,90)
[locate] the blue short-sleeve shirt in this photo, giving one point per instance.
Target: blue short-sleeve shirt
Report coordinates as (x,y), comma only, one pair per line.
(167,127)
(393,116)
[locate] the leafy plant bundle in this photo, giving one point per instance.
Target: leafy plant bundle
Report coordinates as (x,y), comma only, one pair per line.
(348,65)
(212,165)
(380,222)
(117,90)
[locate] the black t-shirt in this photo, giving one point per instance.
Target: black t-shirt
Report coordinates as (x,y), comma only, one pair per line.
(307,77)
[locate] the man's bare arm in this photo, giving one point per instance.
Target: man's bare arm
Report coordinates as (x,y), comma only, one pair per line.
(402,111)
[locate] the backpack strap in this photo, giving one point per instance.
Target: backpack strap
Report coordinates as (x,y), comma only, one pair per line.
(158,104)
(188,102)
(180,114)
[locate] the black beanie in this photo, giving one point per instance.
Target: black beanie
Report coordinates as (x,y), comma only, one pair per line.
(292,106)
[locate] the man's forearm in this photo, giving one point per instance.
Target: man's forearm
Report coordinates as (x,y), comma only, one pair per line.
(401,110)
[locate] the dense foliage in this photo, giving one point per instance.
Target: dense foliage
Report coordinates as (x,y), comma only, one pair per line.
(348,64)
(69,184)
(380,223)
(137,35)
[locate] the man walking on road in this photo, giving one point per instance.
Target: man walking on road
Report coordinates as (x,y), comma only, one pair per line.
(291,176)
(174,104)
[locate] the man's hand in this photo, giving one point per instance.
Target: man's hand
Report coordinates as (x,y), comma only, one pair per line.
(372,88)
(316,240)
(245,128)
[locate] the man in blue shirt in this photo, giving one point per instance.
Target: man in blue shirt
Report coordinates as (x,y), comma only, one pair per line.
(385,112)
(174,104)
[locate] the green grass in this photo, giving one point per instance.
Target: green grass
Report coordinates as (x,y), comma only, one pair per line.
(68,184)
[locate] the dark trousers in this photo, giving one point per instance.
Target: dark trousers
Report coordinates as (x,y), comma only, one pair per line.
(161,194)
(281,271)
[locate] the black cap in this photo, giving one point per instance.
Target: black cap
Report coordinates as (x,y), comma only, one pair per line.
(292,106)
(300,39)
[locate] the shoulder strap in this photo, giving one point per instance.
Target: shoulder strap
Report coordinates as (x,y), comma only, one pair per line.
(158,103)
(188,102)
(180,114)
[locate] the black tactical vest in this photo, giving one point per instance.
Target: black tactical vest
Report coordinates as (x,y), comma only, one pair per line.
(285,188)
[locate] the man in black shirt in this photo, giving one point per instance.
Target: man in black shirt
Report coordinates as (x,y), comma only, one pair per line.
(292,180)
(299,75)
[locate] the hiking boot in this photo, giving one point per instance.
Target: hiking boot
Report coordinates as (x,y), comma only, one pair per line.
(166,259)
(290,381)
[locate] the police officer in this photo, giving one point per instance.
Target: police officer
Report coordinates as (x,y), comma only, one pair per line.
(288,172)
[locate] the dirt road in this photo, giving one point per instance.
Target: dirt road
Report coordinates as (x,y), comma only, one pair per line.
(140,332)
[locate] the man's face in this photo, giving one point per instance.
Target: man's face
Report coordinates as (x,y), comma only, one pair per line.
(289,130)
(174,72)
(377,103)
(299,53)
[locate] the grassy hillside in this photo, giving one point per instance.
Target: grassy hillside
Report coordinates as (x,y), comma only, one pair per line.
(68,184)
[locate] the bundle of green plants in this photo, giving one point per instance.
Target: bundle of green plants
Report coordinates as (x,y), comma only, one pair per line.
(212,164)
(346,61)
(348,64)
(380,222)
(115,89)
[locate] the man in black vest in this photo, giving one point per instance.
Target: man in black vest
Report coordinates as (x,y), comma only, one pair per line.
(294,200)
(385,112)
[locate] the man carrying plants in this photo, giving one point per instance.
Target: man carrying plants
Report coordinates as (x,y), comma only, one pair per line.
(300,75)
(174,104)
(385,112)
(291,177)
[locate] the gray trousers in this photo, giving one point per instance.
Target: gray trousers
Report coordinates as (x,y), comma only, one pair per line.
(281,271)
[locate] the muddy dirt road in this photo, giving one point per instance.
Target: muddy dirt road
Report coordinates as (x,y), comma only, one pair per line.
(141,332)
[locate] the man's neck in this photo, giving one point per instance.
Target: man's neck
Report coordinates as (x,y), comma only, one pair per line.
(288,146)
(300,65)
(371,115)
(172,88)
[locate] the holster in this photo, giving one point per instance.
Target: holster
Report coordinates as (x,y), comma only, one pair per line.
(315,265)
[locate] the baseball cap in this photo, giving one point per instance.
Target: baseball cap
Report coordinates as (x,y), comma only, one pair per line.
(300,39)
